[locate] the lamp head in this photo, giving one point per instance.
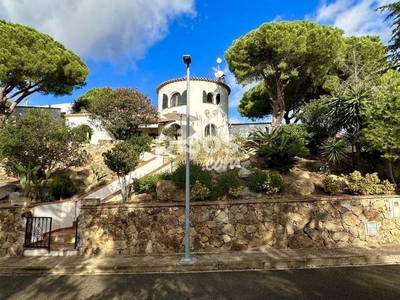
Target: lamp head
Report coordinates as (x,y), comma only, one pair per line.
(187,59)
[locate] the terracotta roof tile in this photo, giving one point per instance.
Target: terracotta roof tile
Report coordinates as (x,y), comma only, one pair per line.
(193,79)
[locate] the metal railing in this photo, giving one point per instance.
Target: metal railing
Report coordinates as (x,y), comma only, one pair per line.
(38,232)
(76,232)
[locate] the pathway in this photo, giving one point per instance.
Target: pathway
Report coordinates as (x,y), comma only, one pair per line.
(151,163)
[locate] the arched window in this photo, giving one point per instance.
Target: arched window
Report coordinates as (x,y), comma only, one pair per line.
(210,97)
(176,99)
(218,98)
(164,101)
(210,129)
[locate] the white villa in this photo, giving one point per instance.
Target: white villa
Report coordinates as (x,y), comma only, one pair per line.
(209,107)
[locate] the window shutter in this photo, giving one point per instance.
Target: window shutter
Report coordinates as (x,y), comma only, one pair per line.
(183,98)
(165,101)
(204,97)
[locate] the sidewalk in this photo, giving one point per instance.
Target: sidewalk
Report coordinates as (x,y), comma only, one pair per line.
(261,260)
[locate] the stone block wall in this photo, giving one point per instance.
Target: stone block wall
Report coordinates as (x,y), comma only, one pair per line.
(12,230)
(236,225)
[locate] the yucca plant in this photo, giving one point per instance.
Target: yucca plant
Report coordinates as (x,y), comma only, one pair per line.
(334,150)
(278,146)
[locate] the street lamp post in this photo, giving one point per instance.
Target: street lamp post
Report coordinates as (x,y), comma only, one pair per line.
(187,258)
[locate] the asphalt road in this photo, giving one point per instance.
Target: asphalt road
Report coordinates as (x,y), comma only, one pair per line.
(379,282)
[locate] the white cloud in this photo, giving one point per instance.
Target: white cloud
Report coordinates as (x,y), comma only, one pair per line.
(355,17)
(116,30)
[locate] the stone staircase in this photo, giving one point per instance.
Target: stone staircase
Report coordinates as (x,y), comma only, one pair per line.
(62,244)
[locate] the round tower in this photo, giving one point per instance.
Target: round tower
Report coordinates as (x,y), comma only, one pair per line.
(208,106)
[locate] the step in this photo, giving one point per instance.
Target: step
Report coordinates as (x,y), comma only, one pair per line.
(62,246)
(64,235)
(62,238)
(45,252)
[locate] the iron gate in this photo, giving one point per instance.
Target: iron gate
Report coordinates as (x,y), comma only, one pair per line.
(38,232)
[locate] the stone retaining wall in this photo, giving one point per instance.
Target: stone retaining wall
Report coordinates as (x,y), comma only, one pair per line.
(220,226)
(12,230)
(237,226)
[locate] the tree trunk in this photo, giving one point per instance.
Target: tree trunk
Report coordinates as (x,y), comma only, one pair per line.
(277,103)
(358,157)
(3,118)
(391,171)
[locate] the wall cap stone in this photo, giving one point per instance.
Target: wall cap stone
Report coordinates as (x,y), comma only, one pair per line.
(224,203)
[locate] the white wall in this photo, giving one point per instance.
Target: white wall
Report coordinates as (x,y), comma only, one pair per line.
(197,107)
(63,213)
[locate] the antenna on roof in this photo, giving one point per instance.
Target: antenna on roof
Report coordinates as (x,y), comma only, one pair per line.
(217,71)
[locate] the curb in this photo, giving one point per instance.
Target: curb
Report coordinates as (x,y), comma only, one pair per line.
(205,266)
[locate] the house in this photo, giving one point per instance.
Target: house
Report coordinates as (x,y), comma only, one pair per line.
(208,106)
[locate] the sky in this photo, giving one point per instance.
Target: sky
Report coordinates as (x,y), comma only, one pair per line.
(140,43)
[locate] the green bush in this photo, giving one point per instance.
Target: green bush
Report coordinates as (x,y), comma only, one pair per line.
(101,182)
(196,174)
(83,133)
(39,139)
(333,185)
(62,187)
(269,183)
(146,184)
(235,192)
(368,185)
(141,142)
(277,147)
(199,191)
(171,131)
(224,183)
(313,115)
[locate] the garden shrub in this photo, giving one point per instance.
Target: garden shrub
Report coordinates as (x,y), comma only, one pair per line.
(228,180)
(146,184)
(39,139)
(269,183)
(196,174)
(333,185)
(62,187)
(141,142)
(278,146)
(199,191)
(235,192)
(101,182)
(368,185)
(313,116)
(171,131)
(224,183)
(83,133)
(318,166)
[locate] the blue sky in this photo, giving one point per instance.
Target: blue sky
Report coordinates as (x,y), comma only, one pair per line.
(140,43)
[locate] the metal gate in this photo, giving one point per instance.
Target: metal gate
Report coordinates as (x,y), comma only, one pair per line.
(38,232)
